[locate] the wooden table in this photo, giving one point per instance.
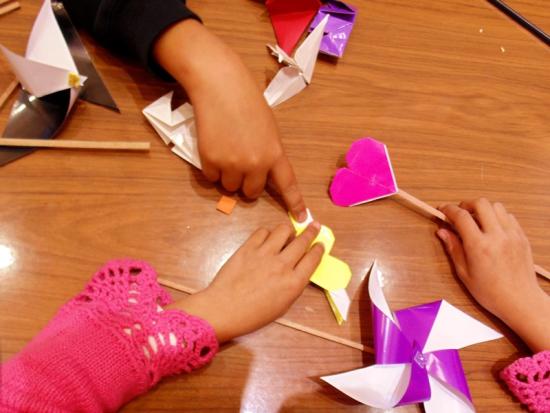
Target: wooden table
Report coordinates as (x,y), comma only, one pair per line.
(458,92)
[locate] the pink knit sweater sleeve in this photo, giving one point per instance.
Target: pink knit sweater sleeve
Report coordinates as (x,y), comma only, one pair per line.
(528,379)
(108,345)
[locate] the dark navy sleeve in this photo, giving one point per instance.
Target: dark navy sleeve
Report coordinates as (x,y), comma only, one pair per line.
(129,27)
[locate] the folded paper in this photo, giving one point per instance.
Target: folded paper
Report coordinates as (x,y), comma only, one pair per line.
(176,127)
(292,79)
(290,19)
(332,274)
(54,73)
(339,26)
(416,352)
(367,177)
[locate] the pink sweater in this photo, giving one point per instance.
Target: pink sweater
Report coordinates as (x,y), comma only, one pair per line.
(114,342)
(108,345)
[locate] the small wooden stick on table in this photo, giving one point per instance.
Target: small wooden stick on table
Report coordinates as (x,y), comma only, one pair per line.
(11,6)
(7,93)
(284,322)
(74,144)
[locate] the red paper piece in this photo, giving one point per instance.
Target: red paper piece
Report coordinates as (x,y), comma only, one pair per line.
(290,19)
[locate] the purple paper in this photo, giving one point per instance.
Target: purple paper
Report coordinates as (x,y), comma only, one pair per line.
(340,23)
(403,343)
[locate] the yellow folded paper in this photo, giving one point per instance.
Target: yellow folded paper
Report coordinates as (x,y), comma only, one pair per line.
(332,274)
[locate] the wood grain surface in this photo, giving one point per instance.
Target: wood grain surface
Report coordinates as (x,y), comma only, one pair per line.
(458,92)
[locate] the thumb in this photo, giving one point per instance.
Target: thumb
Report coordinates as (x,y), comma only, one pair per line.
(453,246)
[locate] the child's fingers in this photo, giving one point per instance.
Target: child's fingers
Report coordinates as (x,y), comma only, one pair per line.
(299,246)
(258,237)
(462,220)
(454,248)
(502,215)
(284,181)
(210,171)
(309,263)
(254,184)
(231,179)
(484,213)
(278,238)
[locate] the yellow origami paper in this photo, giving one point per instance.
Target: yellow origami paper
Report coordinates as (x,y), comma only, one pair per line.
(332,274)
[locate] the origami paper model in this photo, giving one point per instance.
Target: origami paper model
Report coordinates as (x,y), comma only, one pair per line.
(290,19)
(55,71)
(338,29)
(332,274)
(292,79)
(175,127)
(368,176)
(416,356)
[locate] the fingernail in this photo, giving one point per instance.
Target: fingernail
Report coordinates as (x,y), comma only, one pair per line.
(442,234)
(302,216)
(316,225)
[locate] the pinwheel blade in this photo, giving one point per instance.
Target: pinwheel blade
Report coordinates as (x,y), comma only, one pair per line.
(380,386)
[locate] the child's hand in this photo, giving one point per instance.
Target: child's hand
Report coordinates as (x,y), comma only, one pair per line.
(493,258)
(258,283)
(238,139)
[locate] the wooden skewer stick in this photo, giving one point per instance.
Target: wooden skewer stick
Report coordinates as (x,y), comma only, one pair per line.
(66,144)
(9,8)
(542,272)
(420,206)
(431,212)
(4,2)
(7,93)
(283,322)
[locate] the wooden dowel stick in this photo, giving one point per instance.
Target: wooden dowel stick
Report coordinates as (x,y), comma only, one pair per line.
(431,212)
(9,8)
(66,144)
(7,93)
(420,206)
(283,322)
(542,272)
(4,2)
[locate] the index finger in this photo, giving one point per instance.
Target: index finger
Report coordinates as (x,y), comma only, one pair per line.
(462,221)
(284,181)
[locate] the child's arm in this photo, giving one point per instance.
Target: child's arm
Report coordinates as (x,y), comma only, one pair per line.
(493,258)
(239,141)
(238,137)
(115,341)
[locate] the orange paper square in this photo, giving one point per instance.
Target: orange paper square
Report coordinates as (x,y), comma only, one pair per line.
(226,204)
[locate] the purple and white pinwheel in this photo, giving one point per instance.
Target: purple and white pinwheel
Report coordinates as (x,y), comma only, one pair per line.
(417,357)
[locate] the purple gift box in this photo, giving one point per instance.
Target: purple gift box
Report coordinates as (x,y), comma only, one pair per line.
(340,23)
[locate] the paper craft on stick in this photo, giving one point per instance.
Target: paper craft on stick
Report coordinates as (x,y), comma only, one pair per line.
(292,79)
(175,127)
(416,352)
(290,19)
(339,26)
(332,274)
(369,176)
(54,72)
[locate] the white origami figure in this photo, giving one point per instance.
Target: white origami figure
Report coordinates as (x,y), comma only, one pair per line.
(48,66)
(175,127)
(291,80)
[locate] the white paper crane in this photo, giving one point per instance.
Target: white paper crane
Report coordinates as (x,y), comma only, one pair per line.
(292,79)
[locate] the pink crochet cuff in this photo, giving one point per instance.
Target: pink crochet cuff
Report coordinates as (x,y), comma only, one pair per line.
(529,379)
(106,346)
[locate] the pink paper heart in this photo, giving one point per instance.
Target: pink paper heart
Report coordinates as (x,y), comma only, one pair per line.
(369,175)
